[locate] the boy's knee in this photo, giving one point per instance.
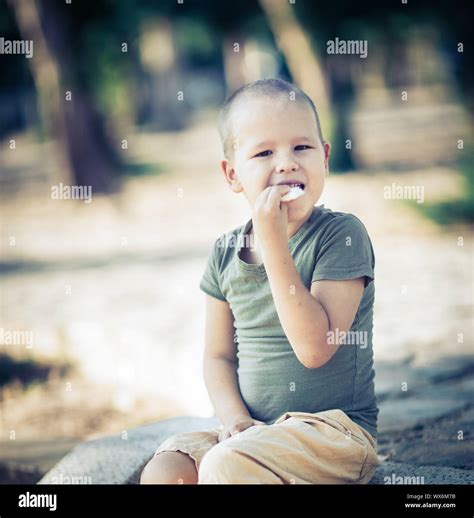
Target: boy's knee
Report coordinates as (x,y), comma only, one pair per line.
(169,468)
(151,472)
(220,465)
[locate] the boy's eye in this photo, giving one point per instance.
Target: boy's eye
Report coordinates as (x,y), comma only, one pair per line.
(263,153)
(267,152)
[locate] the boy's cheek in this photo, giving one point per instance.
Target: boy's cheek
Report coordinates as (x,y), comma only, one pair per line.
(251,196)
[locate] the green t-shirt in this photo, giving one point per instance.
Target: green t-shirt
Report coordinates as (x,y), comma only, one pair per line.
(329,245)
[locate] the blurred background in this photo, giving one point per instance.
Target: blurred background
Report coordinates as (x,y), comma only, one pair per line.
(102,319)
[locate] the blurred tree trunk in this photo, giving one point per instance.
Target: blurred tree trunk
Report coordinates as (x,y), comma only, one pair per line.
(75,123)
(343,93)
(295,45)
(45,73)
(233,58)
(164,96)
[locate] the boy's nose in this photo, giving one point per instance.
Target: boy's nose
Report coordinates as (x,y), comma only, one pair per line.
(285,167)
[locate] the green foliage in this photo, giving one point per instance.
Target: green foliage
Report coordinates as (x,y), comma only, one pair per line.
(197,41)
(142,169)
(460,210)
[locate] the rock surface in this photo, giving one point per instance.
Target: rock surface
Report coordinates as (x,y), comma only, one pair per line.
(120,459)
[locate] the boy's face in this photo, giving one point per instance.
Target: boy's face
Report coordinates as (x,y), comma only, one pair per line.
(277,141)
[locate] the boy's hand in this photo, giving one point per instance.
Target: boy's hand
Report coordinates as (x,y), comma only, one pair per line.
(270,217)
(239,424)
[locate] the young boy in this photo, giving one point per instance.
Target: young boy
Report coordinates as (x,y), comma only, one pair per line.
(288,358)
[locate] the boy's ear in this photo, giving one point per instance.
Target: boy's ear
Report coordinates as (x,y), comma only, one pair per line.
(327,154)
(231,176)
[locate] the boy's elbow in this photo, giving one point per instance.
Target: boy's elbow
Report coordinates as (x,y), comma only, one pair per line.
(315,361)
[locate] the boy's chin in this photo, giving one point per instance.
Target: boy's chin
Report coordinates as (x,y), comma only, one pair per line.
(298,206)
(298,211)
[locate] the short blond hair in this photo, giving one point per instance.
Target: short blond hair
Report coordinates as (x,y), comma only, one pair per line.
(264,88)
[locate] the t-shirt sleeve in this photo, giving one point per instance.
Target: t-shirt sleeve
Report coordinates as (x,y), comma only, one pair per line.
(345,252)
(210,281)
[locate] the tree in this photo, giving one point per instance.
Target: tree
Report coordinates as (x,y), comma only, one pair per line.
(67,109)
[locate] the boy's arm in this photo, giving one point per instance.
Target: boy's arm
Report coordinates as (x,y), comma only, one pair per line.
(220,362)
(308,316)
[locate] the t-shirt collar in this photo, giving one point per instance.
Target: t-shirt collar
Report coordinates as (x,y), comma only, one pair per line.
(291,242)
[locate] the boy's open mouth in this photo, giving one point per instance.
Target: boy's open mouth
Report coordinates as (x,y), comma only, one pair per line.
(295,192)
(300,185)
(293,184)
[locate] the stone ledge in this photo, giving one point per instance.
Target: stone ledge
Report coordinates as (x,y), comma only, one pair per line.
(117,460)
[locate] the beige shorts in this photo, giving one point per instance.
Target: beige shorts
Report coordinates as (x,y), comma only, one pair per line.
(299,448)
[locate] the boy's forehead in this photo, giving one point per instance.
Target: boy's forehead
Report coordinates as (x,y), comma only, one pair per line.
(259,109)
(255,116)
